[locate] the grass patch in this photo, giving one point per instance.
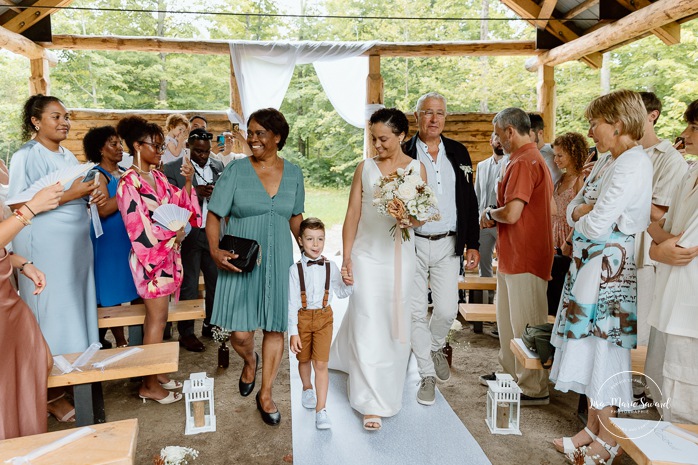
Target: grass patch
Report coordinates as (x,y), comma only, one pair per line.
(330,205)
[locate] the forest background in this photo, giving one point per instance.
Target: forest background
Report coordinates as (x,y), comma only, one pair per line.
(326,147)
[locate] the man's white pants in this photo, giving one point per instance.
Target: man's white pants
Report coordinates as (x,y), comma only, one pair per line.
(437,267)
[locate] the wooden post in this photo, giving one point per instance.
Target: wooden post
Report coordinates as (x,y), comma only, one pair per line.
(546,100)
(235,101)
(39,82)
(374,95)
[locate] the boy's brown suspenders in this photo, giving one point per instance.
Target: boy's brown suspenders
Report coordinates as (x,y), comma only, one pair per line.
(301,277)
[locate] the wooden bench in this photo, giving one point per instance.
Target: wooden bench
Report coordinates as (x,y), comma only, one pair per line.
(477,283)
(637,357)
(479,313)
(89,402)
(112,443)
(632,445)
(134,315)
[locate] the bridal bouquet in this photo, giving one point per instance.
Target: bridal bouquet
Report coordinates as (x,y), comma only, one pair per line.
(403,195)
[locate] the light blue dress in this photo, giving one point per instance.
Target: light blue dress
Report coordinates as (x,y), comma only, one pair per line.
(58,242)
(258,299)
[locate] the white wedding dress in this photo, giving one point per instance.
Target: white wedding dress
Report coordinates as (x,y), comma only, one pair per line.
(365,346)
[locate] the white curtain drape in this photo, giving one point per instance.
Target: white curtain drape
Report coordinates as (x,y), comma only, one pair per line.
(264,70)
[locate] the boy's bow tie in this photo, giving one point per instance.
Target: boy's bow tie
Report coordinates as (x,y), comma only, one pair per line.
(320,261)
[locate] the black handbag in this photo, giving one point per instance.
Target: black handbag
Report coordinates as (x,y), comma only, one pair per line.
(537,339)
(247,250)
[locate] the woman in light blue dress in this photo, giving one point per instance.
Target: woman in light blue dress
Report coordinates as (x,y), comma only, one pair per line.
(58,241)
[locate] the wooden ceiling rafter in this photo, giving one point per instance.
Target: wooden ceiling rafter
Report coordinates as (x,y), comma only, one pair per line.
(32,14)
(221,47)
(579,9)
(529,9)
(670,33)
(546,12)
(20,45)
(11,5)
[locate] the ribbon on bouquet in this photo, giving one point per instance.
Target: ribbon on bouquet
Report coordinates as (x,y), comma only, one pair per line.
(398,326)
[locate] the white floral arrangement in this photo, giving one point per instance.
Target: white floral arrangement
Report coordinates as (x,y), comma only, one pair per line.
(468,170)
(176,455)
(404,195)
(219,334)
(455,327)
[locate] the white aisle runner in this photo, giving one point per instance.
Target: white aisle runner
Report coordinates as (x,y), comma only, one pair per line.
(417,435)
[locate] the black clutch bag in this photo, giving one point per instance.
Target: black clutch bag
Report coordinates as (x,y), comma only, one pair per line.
(246,249)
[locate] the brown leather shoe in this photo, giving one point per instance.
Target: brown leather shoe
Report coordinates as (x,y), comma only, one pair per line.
(191,343)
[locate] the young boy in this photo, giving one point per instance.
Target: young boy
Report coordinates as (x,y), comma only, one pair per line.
(312,281)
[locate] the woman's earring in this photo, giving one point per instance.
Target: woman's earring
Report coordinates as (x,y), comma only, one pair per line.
(615,133)
(36,127)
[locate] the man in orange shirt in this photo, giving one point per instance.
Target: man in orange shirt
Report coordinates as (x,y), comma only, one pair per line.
(524,247)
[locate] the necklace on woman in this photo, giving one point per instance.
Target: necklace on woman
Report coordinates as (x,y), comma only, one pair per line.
(273,165)
(143,172)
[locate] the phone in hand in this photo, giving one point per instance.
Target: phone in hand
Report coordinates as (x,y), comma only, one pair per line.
(679,143)
(221,140)
(90,176)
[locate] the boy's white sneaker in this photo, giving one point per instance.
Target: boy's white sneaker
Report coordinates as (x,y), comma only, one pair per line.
(308,399)
(322,420)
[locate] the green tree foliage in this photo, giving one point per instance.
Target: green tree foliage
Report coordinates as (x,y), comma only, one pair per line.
(321,142)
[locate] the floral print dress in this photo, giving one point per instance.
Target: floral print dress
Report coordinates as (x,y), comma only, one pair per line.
(155,260)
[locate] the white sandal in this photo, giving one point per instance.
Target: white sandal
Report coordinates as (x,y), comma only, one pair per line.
(613,450)
(368,420)
(569,447)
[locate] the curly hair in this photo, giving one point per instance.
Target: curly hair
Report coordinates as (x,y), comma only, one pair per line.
(272,120)
(174,120)
(575,145)
(94,140)
(134,129)
(393,118)
(33,108)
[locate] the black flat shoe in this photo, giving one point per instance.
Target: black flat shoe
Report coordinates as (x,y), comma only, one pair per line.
(273,418)
(247,388)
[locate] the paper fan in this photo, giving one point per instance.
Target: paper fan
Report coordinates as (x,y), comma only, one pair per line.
(171,216)
(64,176)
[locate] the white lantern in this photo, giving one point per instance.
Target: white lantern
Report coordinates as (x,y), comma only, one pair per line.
(198,396)
(503,405)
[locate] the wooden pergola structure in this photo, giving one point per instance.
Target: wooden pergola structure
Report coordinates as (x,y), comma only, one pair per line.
(566,30)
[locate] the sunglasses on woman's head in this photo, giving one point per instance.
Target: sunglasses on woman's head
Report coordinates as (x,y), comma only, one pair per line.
(201,136)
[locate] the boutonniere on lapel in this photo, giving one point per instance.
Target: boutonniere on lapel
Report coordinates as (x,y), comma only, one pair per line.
(468,170)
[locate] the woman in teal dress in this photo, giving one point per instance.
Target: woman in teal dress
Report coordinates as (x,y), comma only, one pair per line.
(113,279)
(263,197)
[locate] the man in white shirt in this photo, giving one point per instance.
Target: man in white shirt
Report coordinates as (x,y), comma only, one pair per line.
(488,174)
(668,169)
(440,244)
(226,155)
(536,133)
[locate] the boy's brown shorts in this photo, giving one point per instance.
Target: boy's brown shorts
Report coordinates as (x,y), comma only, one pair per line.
(315,331)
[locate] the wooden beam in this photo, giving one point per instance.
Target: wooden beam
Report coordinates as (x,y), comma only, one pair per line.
(12,6)
(528,9)
(235,100)
(546,100)
(579,9)
(221,47)
(15,43)
(546,11)
(374,96)
(670,33)
(39,82)
(635,24)
(32,15)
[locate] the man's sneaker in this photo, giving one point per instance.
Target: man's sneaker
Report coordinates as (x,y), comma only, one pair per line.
(443,371)
(308,399)
(527,401)
(322,421)
(426,395)
(485,378)
(495,333)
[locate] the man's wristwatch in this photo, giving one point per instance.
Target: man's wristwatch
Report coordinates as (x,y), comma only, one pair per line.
(488,213)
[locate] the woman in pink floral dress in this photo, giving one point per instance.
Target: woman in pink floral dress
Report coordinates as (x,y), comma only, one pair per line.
(155,259)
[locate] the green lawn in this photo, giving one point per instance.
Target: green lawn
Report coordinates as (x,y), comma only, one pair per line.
(330,205)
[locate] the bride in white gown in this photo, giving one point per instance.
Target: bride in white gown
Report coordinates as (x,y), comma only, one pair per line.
(366,347)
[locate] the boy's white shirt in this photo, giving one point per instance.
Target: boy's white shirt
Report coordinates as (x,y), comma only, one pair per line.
(314,289)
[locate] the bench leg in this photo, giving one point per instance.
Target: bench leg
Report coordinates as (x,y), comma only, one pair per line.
(582,411)
(477,327)
(135,335)
(89,404)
